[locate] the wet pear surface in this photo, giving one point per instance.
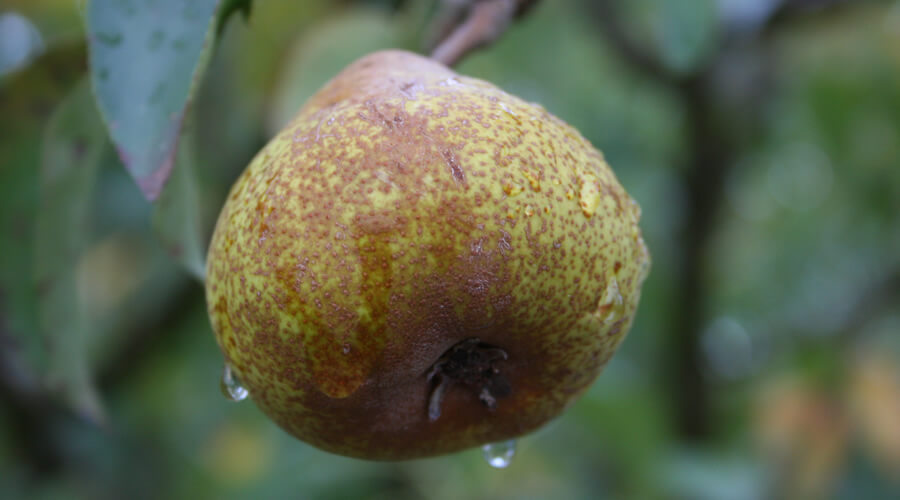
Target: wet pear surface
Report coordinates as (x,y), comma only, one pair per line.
(403,210)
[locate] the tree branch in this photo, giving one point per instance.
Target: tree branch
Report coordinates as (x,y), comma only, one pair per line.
(789,11)
(484,23)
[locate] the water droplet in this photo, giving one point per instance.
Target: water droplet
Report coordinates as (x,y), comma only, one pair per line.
(231,385)
(384,177)
(499,455)
(533,180)
(612,305)
(589,194)
(645,263)
(505,108)
(512,189)
(635,210)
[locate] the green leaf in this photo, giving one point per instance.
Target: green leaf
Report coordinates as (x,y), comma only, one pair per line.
(146,61)
(27,99)
(73,149)
(177,218)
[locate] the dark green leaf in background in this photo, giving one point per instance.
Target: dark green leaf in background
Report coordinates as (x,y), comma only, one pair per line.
(74,146)
(146,60)
(27,99)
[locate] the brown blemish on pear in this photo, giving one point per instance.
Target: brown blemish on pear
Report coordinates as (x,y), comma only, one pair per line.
(421,263)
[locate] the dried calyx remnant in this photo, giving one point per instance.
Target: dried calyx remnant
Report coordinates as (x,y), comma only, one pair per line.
(470,363)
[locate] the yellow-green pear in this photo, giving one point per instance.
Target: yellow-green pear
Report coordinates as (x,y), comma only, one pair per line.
(420,263)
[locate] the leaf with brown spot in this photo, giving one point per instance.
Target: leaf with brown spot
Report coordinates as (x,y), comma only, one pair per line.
(146,62)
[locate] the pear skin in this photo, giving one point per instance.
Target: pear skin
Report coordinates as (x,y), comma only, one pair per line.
(420,263)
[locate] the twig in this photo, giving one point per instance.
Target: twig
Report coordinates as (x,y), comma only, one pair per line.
(709,153)
(485,22)
(788,11)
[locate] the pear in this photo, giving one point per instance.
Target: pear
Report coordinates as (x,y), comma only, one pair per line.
(420,263)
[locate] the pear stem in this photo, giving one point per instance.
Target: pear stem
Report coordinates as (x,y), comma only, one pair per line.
(485,23)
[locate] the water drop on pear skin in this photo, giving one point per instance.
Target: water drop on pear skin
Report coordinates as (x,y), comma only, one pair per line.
(231,385)
(612,306)
(499,455)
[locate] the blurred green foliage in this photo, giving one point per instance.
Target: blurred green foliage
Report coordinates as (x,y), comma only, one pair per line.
(774,301)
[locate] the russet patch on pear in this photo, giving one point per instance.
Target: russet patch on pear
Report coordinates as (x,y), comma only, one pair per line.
(420,263)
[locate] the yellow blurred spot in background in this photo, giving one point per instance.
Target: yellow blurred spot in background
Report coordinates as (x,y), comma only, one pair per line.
(238,454)
(875,404)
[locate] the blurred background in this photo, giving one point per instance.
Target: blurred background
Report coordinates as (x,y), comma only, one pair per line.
(760,137)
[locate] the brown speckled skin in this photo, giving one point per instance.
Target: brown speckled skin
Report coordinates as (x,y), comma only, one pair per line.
(403,210)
